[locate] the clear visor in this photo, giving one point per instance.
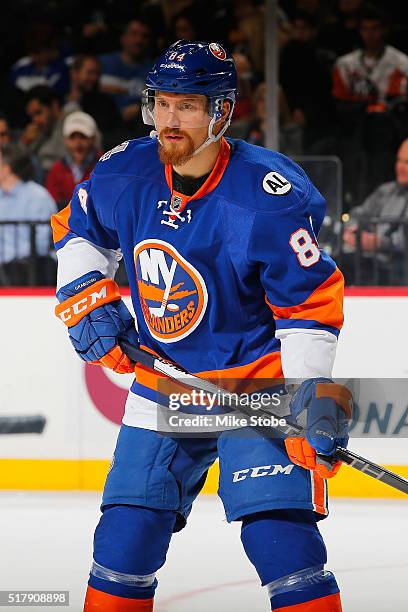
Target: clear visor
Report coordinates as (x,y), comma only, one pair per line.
(162,110)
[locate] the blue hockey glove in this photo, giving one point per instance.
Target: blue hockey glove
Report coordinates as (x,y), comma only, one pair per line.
(92,308)
(324,409)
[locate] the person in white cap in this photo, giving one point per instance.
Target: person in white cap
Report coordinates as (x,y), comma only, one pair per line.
(81,138)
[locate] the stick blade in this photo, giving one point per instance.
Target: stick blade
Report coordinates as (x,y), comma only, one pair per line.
(22,424)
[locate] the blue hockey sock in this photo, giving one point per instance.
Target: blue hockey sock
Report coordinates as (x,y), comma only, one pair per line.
(130,545)
(287,543)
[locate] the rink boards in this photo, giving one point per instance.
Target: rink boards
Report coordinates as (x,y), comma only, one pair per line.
(40,374)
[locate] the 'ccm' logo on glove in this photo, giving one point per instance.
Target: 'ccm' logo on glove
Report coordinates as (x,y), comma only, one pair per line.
(72,310)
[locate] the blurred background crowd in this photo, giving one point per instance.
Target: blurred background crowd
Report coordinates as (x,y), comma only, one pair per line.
(71,77)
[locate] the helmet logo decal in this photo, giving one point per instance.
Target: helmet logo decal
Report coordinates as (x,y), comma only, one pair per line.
(172,293)
(218,51)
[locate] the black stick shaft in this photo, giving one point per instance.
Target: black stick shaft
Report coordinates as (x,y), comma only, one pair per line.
(342,454)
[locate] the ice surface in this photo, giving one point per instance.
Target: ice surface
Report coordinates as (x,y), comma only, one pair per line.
(46,543)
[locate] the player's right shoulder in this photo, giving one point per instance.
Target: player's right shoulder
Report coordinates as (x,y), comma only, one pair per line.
(129,158)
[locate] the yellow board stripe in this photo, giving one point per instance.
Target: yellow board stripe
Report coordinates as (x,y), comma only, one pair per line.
(90,474)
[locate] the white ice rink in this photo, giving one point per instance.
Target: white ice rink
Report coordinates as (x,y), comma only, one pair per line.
(46,543)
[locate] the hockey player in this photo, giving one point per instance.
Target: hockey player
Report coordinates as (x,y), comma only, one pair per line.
(227,280)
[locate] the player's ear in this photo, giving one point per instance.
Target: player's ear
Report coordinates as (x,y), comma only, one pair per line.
(226,108)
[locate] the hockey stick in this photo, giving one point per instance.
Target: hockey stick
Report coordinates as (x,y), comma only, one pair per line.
(22,424)
(342,454)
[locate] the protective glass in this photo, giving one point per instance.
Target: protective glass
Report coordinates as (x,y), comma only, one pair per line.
(181,111)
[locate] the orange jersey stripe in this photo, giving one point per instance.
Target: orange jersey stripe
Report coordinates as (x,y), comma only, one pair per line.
(59,223)
(266,367)
(324,305)
(149,378)
(250,377)
(212,181)
(330,603)
(98,601)
(159,382)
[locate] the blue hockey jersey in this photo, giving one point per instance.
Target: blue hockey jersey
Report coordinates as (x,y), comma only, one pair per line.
(229,282)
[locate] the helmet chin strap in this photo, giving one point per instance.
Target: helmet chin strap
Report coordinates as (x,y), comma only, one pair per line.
(212,137)
(155,134)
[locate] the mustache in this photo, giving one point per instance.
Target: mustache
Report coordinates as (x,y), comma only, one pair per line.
(173,131)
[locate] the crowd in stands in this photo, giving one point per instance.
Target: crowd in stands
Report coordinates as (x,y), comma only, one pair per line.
(75,92)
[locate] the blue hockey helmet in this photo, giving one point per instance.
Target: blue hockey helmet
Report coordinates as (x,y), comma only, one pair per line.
(194,68)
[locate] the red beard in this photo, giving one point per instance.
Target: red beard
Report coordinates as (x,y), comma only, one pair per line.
(175,153)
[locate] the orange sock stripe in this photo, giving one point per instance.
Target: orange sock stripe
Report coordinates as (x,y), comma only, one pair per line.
(330,603)
(98,601)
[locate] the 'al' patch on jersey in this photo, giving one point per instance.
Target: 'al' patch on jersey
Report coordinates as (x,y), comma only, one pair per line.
(276,184)
(172,293)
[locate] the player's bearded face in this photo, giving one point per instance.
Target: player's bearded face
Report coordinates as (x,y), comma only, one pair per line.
(176,146)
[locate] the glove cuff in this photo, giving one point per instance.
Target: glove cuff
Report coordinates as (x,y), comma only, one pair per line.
(340,394)
(73,309)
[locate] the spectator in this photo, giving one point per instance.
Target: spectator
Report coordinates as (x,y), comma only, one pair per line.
(389,200)
(248,33)
(92,34)
(12,104)
(43,135)
(372,75)
(43,65)
(80,132)
(319,10)
(5,136)
(366,84)
(85,95)
(305,75)
(290,133)
(284,29)
(184,26)
(171,8)
(343,34)
(22,200)
(124,72)
(246,79)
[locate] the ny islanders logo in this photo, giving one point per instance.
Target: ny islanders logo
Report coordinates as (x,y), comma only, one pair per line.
(218,51)
(172,292)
